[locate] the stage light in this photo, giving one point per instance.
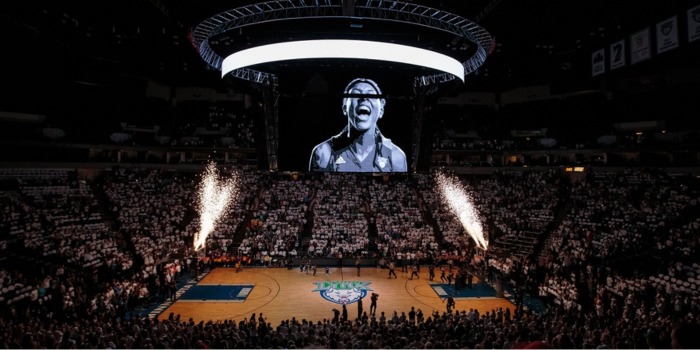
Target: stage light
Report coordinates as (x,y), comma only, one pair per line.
(354,49)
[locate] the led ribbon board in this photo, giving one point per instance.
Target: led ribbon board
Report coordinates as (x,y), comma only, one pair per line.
(356,49)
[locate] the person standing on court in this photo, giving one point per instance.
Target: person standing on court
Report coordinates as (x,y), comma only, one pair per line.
(414,273)
(345,313)
(357,263)
(327,273)
(391,270)
(442,274)
(359,308)
(373,305)
(470,279)
(431,269)
(450,303)
(173,290)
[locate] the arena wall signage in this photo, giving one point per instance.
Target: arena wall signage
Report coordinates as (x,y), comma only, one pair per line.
(640,47)
(598,62)
(617,54)
(667,35)
(342,292)
(694,24)
(354,49)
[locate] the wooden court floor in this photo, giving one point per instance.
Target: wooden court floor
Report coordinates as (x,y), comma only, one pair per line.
(281,294)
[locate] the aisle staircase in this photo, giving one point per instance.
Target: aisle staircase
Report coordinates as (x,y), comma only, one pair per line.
(559,218)
(309,216)
(239,235)
(110,220)
(372,231)
(108,217)
(429,219)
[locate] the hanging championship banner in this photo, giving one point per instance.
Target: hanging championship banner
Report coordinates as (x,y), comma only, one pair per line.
(640,46)
(617,54)
(667,35)
(694,24)
(598,62)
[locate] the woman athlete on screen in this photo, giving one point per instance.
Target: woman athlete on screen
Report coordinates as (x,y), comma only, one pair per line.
(360,147)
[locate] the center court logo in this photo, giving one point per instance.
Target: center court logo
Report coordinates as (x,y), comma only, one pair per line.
(342,292)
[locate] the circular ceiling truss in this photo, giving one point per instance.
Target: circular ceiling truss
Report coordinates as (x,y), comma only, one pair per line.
(395,11)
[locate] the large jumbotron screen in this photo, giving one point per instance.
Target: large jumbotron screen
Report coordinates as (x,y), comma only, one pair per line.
(353,125)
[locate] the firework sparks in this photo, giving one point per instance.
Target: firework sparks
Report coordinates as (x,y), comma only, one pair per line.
(215,197)
(461,205)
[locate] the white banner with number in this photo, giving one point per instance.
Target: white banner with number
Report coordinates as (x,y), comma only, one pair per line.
(667,35)
(694,24)
(598,62)
(640,46)
(617,54)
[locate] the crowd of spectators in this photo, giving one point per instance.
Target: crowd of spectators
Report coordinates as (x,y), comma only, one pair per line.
(56,216)
(217,125)
(515,208)
(66,250)
(238,120)
(620,272)
(413,329)
(633,213)
(150,205)
(520,206)
(340,225)
(399,220)
(279,220)
(625,252)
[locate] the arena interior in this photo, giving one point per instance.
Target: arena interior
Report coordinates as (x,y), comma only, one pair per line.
(211,174)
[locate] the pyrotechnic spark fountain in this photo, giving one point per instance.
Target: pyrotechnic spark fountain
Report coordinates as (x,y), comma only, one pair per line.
(460,203)
(215,197)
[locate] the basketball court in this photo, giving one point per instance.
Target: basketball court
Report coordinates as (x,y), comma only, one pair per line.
(281,294)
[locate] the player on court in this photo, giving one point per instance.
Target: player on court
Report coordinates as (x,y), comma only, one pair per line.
(414,273)
(450,303)
(373,305)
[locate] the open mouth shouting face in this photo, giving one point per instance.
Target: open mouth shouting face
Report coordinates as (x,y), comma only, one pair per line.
(363,112)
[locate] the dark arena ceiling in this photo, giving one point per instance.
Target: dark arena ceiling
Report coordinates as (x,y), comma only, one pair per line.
(97,42)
